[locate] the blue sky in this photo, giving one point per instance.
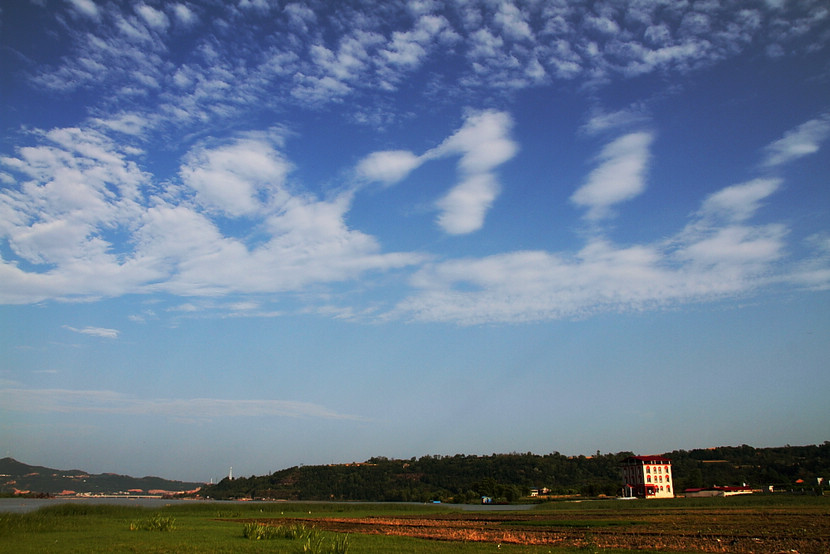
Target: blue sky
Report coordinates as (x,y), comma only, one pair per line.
(261,234)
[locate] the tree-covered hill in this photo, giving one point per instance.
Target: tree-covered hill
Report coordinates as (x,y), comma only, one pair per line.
(19,478)
(508,477)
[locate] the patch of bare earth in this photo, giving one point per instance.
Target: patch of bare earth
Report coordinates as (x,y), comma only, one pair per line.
(748,531)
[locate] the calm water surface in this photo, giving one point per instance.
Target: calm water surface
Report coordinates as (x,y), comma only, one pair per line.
(23,505)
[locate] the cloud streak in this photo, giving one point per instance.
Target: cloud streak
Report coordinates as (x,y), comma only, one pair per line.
(72,401)
(102,332)
(799,142)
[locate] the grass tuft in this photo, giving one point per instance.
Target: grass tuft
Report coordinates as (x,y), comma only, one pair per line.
(156,522)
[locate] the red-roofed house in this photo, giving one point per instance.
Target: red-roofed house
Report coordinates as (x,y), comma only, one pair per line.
(647,477)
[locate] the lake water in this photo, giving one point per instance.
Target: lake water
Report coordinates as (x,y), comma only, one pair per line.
(23,505)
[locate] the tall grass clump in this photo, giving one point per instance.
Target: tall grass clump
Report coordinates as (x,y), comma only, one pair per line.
(15,523)
(35,522)
(312,541)
(259,532)
(156,522)
(316,543)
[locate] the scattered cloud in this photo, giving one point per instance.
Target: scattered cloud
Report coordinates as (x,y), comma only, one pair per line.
(82,187)
(499,47)
(716,255)
(82,217)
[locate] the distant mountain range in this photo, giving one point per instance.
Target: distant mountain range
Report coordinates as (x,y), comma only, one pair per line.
(19,478)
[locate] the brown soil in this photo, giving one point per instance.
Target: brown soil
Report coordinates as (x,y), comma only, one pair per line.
(756,531)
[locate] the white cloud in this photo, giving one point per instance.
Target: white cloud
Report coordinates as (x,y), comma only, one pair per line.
(389,166)
(85,7)
(484,143)
(739,202)
(70,401)
(537,286)
(95,331)
(799,142)
(236,179)
(184,14)
(126,123)
(620,175)
(300,15)
(498,48)
(603,24)
(153,17)
(307,243)
(464,207)
(73,189)
(78,190)
(737,247)
(718,254)
(602,122)
(814,271)
(513,22)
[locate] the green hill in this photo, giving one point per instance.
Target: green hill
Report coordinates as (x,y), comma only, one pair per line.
(508,477)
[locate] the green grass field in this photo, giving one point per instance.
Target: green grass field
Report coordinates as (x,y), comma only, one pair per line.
(183,527)
(203,528)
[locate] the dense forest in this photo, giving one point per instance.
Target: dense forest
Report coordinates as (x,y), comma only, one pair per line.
(510,477)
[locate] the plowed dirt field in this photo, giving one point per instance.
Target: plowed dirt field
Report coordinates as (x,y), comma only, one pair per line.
(693,530)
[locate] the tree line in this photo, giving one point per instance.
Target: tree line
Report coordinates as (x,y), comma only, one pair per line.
(510,477)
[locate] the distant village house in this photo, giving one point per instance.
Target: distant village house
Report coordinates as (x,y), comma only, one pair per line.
(647,477)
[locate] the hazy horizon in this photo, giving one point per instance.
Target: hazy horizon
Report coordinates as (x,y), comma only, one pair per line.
(268,233)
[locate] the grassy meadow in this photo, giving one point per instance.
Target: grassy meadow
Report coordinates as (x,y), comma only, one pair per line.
(200,527)
(240,527)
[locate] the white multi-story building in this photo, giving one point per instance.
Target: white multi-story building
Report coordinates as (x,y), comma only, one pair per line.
(647,477)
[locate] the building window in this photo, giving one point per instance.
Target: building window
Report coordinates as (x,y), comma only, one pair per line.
(648,478)
(668,478)
(648,469)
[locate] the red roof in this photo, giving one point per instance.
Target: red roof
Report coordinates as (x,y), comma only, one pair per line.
(648,459)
